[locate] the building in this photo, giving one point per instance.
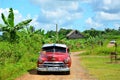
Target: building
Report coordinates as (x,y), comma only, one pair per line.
(74,34)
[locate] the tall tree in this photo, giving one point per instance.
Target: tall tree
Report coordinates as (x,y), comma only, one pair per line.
(9,27)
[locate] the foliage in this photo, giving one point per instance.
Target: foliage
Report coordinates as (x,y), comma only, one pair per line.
(64,32)
(9,29)
(61,35)
(18,57)
(93,33)
(112,31)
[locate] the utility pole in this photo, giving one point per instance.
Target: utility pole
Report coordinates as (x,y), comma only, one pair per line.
(56,33)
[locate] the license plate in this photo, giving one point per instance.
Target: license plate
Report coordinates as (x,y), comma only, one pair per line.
(53,69)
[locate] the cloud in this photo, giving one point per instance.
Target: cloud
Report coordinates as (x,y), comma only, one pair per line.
(18,17)
(106,10)
(66,12)
(93,24)
(108,6)
(107,16)
(58,11)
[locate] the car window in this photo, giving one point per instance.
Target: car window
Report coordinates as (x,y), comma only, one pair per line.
(56,49)
(60,49)
(48,49)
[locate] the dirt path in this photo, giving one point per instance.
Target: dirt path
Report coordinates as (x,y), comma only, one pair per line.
(77,72)
(110,45)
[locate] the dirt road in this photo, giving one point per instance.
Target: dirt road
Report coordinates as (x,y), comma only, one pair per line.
(77,72)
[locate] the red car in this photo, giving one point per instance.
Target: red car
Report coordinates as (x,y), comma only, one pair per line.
(54,58)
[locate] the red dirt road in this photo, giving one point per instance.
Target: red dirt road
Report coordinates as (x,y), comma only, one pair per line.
(77,72)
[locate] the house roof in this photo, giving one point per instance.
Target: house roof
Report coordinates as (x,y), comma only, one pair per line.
(71,32)
(74,34)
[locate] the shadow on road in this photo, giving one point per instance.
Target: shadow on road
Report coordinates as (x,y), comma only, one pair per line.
(34,72)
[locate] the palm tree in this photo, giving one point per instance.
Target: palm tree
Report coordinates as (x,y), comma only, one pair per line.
(9,27)
(29,30)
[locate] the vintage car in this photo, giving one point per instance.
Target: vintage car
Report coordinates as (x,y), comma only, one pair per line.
(54,58)
(112,42)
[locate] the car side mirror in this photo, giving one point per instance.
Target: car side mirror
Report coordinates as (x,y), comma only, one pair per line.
(69,51)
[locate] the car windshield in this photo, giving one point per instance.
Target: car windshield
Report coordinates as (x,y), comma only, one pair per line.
(54,49)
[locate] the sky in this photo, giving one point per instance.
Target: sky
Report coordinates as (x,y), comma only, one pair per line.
(68,14)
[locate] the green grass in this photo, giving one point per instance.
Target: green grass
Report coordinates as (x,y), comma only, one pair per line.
(101,68)
(96,60)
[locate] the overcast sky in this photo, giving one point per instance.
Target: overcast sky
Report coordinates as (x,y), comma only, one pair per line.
(69,14)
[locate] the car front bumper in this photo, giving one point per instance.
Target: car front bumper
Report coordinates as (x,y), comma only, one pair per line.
(53,69)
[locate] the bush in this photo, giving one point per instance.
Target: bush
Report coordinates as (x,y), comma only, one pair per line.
(16,58)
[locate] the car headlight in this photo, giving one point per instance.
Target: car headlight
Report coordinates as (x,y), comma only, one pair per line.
(66,60)
(40,61)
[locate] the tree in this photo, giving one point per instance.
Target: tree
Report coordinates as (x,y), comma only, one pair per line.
(9,27)
(29,30)
(93,33)
(64,32)
(119,29)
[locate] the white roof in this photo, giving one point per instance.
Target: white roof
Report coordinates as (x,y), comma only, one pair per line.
(59,45)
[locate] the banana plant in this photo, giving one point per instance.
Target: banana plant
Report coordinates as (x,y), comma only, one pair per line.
(9,26)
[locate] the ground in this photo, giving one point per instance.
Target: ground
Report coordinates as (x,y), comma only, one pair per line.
(77,72)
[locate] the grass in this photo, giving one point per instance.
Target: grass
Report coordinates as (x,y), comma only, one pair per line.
(96,60)
(101,68)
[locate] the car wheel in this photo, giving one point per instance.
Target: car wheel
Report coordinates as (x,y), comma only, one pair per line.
(38,72)
(67,72)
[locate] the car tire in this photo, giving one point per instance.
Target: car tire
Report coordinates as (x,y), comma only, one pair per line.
(67,72)
(38,72)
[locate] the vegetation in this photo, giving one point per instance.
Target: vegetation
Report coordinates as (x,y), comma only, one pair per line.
(21,43)
(9,29)
(101,68)
(97,59)
(16,52)
(17,58)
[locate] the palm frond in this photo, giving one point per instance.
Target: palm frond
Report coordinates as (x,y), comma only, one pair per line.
(1,25)
(4,29)
(11,17)
(4,19)
(40,31)
(32,29)
(22,24)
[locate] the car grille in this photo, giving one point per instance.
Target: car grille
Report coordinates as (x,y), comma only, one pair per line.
(53,64)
